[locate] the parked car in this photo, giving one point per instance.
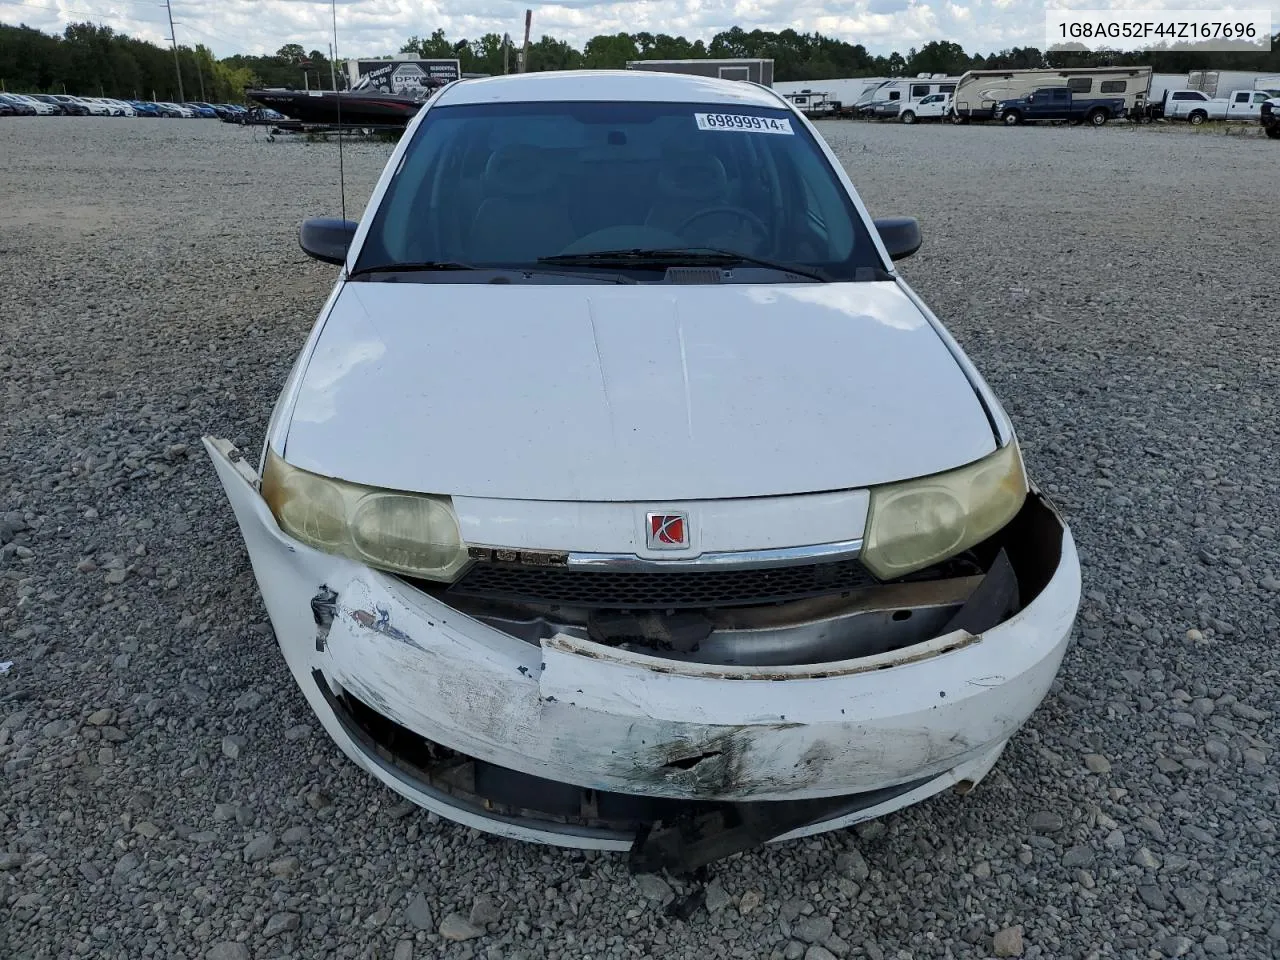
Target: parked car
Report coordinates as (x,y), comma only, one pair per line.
(108,109)
(1058,103)
(936,106)
(96,107)
(6,110)
(144,108)
(17,107)
(41,108)
(235,113)
(126,108)
(758,549)
(71,106)
(49,99)
(1269,117)
(261,116)
(203,110)
(176,110)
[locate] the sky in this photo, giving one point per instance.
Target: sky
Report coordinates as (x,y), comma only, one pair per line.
(375,27)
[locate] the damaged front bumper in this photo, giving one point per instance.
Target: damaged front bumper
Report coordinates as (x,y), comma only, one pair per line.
(569,741)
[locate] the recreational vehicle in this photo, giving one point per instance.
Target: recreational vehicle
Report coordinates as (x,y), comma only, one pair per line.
(815,104)
(845,90)
(888,98)
(979,91)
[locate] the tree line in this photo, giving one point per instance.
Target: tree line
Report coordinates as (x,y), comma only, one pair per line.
(94,60)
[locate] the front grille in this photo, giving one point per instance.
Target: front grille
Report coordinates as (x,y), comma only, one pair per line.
(660,590)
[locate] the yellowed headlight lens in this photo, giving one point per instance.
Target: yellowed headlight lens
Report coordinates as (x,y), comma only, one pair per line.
(407,533)
(918,522)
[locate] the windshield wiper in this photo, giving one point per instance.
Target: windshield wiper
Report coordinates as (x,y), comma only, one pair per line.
(678,257)
(429,266)
(421,266)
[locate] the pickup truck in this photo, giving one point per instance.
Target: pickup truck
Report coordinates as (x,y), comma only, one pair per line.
(1269,117)
(1058,103)
(935,106)
(1196,106)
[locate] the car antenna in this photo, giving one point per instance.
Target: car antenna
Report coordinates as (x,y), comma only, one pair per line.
(337,96)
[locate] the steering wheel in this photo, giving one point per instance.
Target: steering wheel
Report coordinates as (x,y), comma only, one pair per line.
(746,216)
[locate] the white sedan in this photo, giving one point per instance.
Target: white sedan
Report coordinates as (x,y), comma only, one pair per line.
(625,496)
(41,108)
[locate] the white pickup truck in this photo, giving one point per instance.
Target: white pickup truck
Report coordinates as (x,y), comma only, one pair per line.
(933,107)
(1196,106)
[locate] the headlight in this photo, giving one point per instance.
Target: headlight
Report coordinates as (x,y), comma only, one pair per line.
(409,533)
(918,522)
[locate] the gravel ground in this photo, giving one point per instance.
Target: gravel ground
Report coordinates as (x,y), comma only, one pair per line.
(166,793)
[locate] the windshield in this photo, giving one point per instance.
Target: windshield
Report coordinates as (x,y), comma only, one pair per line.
(510,184)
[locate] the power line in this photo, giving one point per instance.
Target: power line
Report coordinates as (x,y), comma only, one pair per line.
(85,13)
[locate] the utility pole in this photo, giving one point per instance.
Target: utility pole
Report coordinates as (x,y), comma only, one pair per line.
(177,66)
(506,53)
(524,54)
(200,74)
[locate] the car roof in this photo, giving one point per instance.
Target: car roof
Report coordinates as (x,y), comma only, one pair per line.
(623,85)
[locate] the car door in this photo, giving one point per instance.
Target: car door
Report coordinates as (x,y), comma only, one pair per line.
(1241,102)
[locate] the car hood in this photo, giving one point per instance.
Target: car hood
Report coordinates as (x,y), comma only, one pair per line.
(630,392)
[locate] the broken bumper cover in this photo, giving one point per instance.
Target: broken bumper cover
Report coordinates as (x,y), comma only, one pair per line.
(382,663)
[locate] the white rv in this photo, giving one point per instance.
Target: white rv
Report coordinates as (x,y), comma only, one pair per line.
(815,104)
(978,91)
(889,98)
(842,90)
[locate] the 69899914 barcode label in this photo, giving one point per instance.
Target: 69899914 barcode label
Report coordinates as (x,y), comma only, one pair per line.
(744,122)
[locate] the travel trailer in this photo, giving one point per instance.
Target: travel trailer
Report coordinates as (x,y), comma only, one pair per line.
(978,91)
(816,104)
(888,98)
(844,90)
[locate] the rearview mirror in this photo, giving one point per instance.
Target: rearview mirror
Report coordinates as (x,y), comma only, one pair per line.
(900,236)
(326,238)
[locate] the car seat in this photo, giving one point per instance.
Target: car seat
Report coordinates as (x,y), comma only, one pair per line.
(689,180)
(522,216)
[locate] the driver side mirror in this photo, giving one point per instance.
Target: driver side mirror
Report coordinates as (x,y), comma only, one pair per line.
(900,236)
(326,238)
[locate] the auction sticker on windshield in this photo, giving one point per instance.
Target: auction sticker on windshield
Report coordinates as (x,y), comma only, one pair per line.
(742,121)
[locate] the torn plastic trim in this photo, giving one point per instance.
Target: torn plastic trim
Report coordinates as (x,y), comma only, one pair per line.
(663,833)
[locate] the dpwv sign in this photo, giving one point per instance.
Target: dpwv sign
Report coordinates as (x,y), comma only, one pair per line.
(408,75)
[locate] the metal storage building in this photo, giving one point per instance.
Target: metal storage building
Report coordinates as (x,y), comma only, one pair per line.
(754,70)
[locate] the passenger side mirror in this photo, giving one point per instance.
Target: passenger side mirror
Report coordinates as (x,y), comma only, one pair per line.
(327,238)
(900,236)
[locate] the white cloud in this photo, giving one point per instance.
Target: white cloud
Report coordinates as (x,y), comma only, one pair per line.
(375,27)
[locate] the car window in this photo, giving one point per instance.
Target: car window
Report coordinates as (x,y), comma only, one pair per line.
(1242,98)
(1080,84)
(508,183)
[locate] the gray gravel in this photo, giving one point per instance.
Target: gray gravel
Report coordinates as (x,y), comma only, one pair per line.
(165,793)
